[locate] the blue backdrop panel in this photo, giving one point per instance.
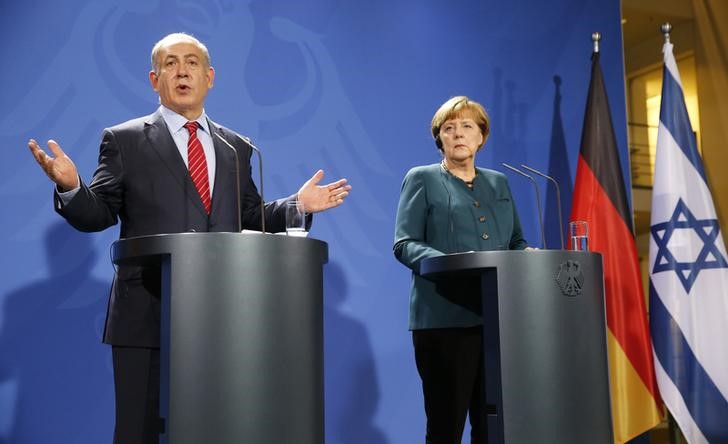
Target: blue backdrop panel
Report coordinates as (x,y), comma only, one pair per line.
(346,86)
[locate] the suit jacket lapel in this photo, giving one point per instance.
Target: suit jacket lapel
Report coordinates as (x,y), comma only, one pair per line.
(225,169)
(159,139)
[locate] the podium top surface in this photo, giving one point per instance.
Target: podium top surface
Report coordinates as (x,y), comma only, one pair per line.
(474,261)
(133,249)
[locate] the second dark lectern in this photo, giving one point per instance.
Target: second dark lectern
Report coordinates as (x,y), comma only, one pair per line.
(242,335)
(547,378)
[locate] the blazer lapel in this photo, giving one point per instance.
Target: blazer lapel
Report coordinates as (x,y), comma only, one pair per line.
(159,139)
(225,172)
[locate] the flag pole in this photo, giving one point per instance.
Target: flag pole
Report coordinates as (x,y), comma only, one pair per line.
(599,178)
(674,434)
(666,28)
(595,38)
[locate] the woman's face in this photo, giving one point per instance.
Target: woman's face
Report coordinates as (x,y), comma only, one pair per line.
(461,138)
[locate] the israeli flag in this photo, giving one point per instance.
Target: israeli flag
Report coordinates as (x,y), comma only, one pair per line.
(688,277)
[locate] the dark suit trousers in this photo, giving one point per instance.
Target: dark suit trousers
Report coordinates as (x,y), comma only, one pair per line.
(450,364)
(136,384)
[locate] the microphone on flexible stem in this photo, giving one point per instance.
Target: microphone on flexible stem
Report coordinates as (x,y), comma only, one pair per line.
(538,200)
(558,198)
(260,178)
(237,171)
(237,178)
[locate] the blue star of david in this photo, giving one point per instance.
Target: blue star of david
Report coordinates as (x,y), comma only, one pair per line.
(709,256)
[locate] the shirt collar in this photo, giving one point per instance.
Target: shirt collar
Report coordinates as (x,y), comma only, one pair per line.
(176,122)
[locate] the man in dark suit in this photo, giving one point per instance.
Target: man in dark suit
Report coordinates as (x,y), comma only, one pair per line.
(169,172)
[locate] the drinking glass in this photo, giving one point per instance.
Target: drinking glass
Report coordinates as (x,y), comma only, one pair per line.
(579,235)
(296,219)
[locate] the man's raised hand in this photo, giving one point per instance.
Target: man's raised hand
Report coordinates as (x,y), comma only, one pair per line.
(59,167)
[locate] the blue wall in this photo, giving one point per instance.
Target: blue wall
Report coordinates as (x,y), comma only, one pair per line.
(346,86)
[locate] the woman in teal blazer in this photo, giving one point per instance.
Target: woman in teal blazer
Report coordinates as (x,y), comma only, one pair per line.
(449,207)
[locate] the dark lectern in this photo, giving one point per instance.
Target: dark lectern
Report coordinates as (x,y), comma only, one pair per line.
(547,378)
(242,335)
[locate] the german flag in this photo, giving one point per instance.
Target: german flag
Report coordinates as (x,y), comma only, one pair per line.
(600,199)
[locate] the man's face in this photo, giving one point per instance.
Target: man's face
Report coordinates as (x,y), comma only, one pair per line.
(183,79)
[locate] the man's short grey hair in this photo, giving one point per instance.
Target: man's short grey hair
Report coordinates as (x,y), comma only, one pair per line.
(178,37)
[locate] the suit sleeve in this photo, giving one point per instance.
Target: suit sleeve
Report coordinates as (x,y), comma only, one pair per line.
(275,211)
(95,207)
(410,235)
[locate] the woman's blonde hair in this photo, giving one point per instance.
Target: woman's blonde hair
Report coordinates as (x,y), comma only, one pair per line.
(458,107)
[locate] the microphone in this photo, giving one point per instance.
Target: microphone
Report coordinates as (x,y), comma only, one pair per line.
(558,198)
(237,171)
(538,200)
(237,178)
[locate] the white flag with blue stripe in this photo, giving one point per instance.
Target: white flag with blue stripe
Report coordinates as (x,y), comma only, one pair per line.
(688,277)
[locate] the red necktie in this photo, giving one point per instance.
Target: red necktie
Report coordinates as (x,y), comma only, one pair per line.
(198,165)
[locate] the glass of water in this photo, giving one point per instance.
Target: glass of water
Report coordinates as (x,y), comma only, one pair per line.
(296,219)
(579,235)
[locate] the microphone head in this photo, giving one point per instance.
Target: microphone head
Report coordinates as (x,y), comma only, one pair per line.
(249,142)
